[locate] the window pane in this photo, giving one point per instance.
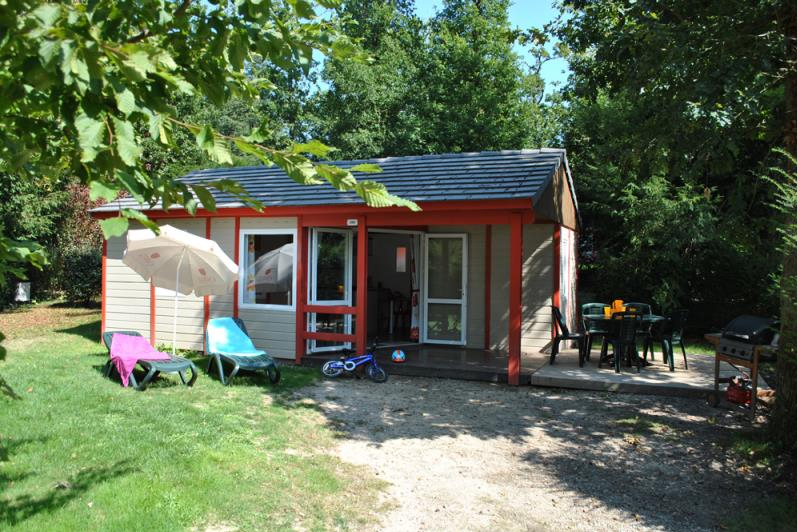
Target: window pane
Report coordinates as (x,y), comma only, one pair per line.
(331,271)
(268,263)
(445,268)
(445,322)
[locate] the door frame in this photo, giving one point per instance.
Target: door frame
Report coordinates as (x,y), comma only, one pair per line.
(347,287)
(463,301)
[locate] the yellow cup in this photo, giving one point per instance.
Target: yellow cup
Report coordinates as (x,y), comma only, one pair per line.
(607,311)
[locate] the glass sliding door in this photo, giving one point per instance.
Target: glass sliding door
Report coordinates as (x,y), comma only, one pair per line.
(330,284)
(445,300)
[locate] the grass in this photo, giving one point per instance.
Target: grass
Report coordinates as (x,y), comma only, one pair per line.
(80,452)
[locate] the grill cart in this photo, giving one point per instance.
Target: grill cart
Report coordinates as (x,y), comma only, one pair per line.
(743,343)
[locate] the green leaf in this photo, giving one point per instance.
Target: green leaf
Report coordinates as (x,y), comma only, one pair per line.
(205,197)
(99,189)
(90,135)
(367,167)
(114,226)
(47,14)
(340,178)
(127,147)
(314,147)
(138,65)
(376,195)
(141,218)
(125,101)
(48,50)
(131,185)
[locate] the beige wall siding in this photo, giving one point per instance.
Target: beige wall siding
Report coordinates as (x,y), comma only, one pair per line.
(271,330)
(537,287)
(475,296)
(126,293)
(190,310)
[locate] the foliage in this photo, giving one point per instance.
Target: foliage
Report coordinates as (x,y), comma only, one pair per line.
(668,108)
(452,84)
(81,275)
(81,82)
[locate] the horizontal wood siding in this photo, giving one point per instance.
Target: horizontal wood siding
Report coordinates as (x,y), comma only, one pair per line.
(222,231)
(537,288)
(191,309)
(126,293)
(475,296)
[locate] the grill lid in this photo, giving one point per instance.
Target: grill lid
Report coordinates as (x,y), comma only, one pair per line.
(751,330)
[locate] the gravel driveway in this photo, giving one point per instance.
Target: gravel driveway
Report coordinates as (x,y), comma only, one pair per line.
(474,456)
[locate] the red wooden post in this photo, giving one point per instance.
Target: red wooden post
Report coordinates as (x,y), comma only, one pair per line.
(488,274)
(301,288)
(557,264)
(152,306)
(515,296)
(103,287)
(207,298)
(236,258)
(362,285)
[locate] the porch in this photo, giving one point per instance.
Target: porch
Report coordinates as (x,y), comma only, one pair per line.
(445,362)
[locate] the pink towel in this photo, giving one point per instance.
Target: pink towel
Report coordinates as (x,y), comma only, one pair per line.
(127,350)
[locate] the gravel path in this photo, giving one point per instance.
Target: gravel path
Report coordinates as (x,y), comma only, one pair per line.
(474,456)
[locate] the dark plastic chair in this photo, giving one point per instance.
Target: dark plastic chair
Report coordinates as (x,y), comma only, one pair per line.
(670,333)
(625,325)
(563,333)
(645,328)
(592,329)
(153,368)
(249,362)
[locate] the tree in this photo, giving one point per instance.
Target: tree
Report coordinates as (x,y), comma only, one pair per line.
(452,84)
(708,84)
(83,84)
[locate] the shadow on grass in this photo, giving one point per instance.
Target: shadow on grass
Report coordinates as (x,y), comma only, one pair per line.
(17,509)
(89,331)
(7,390)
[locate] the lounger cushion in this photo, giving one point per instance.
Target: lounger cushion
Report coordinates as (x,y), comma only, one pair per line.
(226,338)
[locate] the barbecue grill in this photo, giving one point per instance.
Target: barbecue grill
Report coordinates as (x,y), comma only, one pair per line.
(744,342)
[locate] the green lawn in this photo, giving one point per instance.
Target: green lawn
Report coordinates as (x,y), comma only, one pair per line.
(79,452)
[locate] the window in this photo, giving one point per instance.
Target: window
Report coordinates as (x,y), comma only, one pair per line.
(267,266)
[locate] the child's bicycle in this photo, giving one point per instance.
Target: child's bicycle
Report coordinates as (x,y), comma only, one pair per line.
(335,368)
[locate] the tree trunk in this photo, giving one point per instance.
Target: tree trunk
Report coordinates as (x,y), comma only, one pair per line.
(784,415)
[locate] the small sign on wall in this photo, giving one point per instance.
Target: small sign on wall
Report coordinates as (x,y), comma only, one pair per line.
(351,222)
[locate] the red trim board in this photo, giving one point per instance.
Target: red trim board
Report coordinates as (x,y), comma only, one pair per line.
(235,258)
(361,327)
(103,286)
(557,264)
(515,297)
(301,288)
(207,298)
(152,316)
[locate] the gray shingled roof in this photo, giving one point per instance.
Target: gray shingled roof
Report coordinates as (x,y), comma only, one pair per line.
(460,176)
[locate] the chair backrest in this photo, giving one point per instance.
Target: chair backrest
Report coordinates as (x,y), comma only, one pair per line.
(627,323)
(592,309)
(639,308)
(677,322)
(559,321)
(107,336)
(227,334)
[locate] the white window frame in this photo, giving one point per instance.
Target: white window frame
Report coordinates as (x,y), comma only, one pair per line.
(463,301)
(242,247)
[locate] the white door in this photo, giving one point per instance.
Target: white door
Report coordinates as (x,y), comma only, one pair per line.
(445,288)
(330,284)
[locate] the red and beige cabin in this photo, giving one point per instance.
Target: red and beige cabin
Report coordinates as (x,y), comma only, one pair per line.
(477,269)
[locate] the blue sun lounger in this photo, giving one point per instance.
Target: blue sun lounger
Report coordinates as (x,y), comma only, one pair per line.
(227,341)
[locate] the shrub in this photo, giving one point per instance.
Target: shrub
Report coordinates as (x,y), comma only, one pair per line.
(81,274)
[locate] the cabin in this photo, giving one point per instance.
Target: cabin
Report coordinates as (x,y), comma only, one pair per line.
(466,284)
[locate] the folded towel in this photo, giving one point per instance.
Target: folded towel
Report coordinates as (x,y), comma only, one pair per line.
(127,350)
(226,338)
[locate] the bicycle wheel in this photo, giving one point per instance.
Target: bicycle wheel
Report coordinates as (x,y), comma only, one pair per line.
(375,373)
(332,369)
(273,374)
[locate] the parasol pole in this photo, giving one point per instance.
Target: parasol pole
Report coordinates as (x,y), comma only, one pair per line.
(176,298)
